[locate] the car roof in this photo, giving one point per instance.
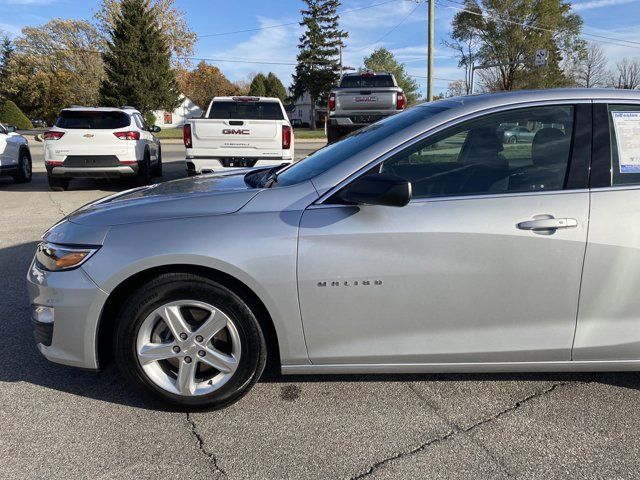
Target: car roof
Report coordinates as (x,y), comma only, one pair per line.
(486,100)
(235,97)
(76,108)
(356,74)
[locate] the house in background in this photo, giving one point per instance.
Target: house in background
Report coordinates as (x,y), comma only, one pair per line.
(301,110)
(175,119)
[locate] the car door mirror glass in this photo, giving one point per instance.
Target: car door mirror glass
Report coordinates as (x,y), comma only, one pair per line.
(377,189)
(155,129)
(11,128)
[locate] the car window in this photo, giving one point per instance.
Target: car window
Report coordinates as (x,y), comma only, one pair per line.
(224,110)
(331,155)
(478,157)
(87,119)
(3,130)
(624,130)
(140,122)
(360,81)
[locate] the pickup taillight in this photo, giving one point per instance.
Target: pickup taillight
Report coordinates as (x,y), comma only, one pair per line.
(332,102)
(286,137)
(401,101)
(186,135)
(53,135)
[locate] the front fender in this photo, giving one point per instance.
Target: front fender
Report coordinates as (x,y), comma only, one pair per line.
(258,249)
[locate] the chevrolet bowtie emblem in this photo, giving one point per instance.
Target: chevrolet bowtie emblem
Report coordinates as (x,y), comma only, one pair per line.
(88,135)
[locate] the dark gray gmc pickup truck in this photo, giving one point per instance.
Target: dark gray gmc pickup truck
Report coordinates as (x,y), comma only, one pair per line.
(361,99)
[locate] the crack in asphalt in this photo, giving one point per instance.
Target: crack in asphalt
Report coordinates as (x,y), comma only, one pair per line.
(455,426)
(218,472)
(456,430)
(57,204)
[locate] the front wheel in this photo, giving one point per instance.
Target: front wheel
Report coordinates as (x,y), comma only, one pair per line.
(190,342)
(513,140)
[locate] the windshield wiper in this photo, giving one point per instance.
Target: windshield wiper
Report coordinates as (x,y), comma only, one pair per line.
(271,176)
(263,178)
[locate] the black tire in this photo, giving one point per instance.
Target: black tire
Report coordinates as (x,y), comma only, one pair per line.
(57,184)
(513,140)
(143,177)
(157,168)
(172,287)
(333,134)
(25,167)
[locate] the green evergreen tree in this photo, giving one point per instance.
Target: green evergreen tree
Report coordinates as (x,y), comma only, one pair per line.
(318,51)
(6,52)
(10,114)
(275,88)
(258,87)
(137,62)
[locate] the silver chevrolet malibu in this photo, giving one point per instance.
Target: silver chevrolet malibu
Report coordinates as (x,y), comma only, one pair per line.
(422,243)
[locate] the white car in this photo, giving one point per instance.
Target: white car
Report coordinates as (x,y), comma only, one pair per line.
(91,142)
(15,157)
(239,132)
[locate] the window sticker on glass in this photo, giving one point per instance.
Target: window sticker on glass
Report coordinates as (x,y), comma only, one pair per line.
(627,127)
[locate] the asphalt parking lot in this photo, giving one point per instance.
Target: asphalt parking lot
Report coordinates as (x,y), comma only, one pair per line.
(57,422)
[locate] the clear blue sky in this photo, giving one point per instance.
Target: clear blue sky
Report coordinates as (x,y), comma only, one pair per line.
(399,25)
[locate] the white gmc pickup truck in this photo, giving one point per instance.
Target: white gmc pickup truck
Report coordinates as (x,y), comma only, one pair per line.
(238,132)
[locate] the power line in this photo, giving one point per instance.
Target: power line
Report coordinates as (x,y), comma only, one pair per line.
(290,23)
(398,25)
(436,78)
(386,34)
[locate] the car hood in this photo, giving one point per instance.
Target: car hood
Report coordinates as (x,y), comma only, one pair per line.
(190,197)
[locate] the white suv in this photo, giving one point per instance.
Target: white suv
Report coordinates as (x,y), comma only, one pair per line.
(93,142)
(15,157)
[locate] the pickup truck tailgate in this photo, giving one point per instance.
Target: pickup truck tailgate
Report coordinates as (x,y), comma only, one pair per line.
(369,99)
(252,134)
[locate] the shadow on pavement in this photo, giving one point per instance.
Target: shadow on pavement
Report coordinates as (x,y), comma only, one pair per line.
(39,184)
(21,362)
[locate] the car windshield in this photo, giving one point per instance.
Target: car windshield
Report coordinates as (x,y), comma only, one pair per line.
(224,110)
(359,81)
(331,155)
(86,119)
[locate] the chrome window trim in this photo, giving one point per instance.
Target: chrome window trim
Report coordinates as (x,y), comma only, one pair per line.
(472,197)
(444,126)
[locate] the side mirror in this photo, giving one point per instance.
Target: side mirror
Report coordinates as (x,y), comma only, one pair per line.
(377,189)
(11,128)
(155,129)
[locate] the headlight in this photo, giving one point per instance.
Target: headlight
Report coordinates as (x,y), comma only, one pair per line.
(54,257)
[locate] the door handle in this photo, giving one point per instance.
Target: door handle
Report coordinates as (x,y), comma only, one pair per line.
(548,224)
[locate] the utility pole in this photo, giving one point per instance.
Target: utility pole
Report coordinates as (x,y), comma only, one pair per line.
(340,46)
(430,47)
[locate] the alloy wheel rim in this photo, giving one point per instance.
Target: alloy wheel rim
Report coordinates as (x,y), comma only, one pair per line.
(188,347)
(26,166)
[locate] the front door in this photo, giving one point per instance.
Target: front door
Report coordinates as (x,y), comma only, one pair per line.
(483,265)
